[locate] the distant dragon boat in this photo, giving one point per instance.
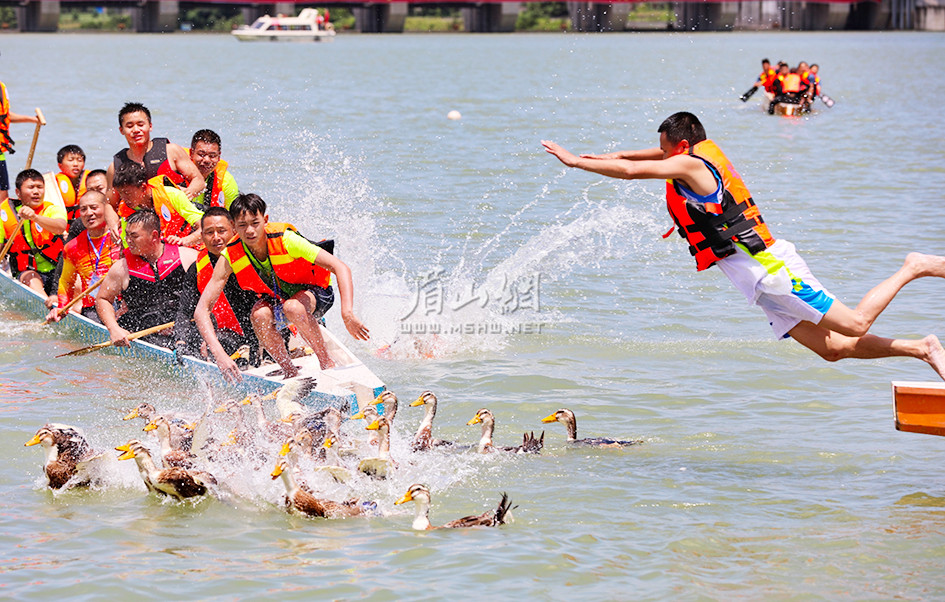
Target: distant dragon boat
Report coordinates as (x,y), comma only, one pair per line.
(303,28)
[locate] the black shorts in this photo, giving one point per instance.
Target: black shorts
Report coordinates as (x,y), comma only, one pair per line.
(324,299)
(4,176)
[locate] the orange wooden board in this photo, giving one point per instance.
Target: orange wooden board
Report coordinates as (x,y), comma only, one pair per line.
(919,407)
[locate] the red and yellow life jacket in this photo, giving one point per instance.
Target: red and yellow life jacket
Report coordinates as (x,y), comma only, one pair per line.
(712,229)
(767,79)
(6,143)
(286,268)
(71,196)
(215,190)
(33,241)
(172,223)
(226,318)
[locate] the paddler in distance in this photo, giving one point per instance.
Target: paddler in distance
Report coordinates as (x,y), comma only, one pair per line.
(293,276)
(150,278)
(178,215)
(714,212)
(205,149)
(158,156)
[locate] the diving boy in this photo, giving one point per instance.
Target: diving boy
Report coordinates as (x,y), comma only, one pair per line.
(714,212)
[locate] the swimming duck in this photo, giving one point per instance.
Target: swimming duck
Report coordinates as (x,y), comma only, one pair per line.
(379,467)
(67,454)
(290,395)
(424,440)
(181,436)
(306,503)
(420,495)
(369,414)
(174,482)
(143,410)
(566,417)
(274,430)
(389,400)
(303,443)
(170,457)
(530,444)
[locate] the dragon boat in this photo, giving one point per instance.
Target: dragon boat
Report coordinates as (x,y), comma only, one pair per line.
(348,384)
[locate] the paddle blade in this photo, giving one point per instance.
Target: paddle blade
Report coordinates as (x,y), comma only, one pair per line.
(748,94)
(827,100)
(85,350)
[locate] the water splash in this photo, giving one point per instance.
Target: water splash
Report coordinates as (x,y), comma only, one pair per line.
(478,301)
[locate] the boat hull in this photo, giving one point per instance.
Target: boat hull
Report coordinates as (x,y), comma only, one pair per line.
(919,407)
(282,36)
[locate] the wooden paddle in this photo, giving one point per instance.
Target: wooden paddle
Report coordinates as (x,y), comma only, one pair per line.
(131,337)
(65,309)
(39,124)
(9,243)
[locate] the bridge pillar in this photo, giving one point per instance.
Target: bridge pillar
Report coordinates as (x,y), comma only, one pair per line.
(490,17)
(705,16)
(930,15)
(380,18)
(598,16)
(156,16)
(35,15)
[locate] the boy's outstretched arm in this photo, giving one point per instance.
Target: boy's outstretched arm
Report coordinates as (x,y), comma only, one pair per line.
(679,166)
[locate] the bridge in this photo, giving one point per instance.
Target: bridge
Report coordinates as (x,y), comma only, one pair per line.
(387,16)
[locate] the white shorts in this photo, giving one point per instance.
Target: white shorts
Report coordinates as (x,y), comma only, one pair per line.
(779,282)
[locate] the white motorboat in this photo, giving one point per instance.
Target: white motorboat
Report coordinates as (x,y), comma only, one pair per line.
(309,26)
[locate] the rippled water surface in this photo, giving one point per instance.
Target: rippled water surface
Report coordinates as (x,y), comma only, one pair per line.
(765,471)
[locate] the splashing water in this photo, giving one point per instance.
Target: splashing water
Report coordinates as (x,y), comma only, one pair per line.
(479,302)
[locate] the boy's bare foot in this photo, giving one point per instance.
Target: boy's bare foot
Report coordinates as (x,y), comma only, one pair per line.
(926,265)
(935,354)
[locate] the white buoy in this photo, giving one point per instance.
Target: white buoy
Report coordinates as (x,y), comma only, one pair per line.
(454,115)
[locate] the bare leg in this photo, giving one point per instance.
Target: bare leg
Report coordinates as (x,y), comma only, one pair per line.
(32,280)
(857,322)
(264,324)
(298,310)
(833,346)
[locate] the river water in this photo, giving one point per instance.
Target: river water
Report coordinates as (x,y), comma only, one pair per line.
(765,471)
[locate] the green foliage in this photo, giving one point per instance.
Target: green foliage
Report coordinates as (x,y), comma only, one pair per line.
(438,24)
(213,18)
(543,16)
(89,18)
(340,17)
(7,17)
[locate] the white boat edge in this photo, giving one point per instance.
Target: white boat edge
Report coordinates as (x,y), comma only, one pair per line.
(350,384)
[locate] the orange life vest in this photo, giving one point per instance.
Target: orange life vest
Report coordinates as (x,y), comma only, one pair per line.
(213,196)
(71,196)
(286,267)
(34,241)
(6,143)
(791,83)
(712,229)
(226,318)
